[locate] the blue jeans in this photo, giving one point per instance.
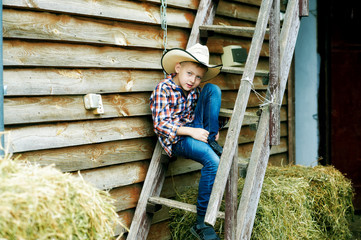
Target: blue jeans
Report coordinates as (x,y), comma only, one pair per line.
(206,116)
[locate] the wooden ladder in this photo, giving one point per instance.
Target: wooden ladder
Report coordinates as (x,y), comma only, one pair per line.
(238,223)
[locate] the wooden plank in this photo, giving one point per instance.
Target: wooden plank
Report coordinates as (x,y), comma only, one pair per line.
(112,9)
(189,4)
(47,136)
(92,156)
(205,15)
(125,217)
(51,81)
(23,53)
(152,187)
(159,231)
(135,11)
(47,26)
(274,84)
(231,201)
(240,70)
(239,31)
(126,197)
(178,205)
(237,118)
(116,176)
(236,10)
(291,115)
(258,3)
(304,8)
(68,108)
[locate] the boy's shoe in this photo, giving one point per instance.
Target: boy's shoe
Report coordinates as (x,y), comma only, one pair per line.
(204,232)
(216,148)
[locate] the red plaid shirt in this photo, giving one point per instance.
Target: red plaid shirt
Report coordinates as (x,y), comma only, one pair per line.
(171,109)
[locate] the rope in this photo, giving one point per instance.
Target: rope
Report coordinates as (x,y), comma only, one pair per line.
(265,100)
(163,24)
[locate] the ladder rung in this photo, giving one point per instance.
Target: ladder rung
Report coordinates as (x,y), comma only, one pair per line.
(249,117)
(240,70)
(176,204)
(231,30)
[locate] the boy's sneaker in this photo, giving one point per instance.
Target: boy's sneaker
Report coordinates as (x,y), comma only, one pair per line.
(204,232)
(216,148)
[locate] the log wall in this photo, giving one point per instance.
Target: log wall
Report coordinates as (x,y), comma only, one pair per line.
(55,52)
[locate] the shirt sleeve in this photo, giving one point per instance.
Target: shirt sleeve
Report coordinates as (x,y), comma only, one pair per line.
(164,124)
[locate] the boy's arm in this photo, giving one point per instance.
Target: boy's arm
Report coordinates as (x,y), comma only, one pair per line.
(196,133)
(161,113)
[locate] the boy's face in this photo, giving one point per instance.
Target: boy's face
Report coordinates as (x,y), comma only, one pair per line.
(189,75)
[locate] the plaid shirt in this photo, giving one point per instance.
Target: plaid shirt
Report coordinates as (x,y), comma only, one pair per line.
(171,109)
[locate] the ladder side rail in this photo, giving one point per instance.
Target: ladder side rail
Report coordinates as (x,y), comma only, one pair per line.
(238,113)
(254,179)
(142,220)
(304,9)
(260,153)
(274,63)
(230,222)
(205,15)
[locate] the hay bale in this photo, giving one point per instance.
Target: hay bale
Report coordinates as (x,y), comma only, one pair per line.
(296,203)
(43,203)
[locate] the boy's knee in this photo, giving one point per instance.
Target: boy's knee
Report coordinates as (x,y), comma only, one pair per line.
(214,89)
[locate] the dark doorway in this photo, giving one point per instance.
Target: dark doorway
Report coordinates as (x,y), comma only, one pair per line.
(339,45)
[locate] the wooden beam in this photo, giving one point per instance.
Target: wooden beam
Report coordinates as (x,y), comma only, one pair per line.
(68,159)
(254,180)
(112,9)
(304,8)
(236,10)
(68,108)
(24,53)
(237,117)
(115,176)
(205,15)
(274,84)
(47,136)
(230,222)
(47,26)
(53,81)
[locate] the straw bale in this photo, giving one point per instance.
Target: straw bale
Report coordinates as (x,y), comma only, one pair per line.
(296,203)
(43,203)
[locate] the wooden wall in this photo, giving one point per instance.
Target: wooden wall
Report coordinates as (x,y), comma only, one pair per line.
(55,52)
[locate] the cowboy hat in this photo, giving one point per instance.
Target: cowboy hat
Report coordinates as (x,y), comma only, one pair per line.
(197,53)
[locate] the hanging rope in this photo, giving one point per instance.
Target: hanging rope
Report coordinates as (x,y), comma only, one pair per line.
(163,24)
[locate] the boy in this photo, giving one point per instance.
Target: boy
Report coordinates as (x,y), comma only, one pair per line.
(185,119)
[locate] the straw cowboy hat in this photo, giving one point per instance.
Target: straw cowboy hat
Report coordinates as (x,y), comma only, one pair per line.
(197,53)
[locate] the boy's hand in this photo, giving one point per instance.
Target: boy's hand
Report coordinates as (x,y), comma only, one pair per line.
(200,134)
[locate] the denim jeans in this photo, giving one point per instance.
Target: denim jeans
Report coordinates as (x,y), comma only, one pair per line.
(206,116)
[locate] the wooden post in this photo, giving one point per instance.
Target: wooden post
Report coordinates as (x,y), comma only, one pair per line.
(205,16)
(259,158)
(230,222)
(238,114)
(304,9)
(274,62)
